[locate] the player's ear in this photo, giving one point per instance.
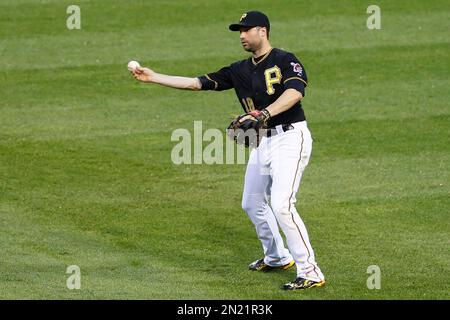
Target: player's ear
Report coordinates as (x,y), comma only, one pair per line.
(265,32)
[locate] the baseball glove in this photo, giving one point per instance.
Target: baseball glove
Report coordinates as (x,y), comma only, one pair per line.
(248,128)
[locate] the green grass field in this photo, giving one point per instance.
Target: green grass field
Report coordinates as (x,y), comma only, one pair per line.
(86,176)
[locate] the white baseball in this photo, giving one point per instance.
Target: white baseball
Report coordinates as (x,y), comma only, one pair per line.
(132,65)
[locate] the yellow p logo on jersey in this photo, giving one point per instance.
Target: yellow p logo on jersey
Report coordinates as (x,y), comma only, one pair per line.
(273,76)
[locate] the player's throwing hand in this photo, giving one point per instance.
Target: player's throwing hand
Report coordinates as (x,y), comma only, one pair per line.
(143,74)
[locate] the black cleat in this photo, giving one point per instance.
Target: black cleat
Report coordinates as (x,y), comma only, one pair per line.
(260,265)
(301,284)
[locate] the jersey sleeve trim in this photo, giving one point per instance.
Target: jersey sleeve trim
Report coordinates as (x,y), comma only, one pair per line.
(215,82)
(295,78)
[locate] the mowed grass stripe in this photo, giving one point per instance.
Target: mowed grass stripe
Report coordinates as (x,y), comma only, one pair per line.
(81,47)
(117,15)
(366,66)
(92,179)
(370,250)
(364,215)
(323,101)
(368,137)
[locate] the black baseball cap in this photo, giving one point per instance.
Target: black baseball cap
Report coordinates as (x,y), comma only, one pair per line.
(251,19)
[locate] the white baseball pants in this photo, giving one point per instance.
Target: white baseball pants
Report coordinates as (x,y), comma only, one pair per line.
(273,173)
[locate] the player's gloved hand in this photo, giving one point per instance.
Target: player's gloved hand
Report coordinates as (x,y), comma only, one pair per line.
(260,116)
(247,128)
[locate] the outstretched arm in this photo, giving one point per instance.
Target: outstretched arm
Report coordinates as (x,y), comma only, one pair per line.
(150,76)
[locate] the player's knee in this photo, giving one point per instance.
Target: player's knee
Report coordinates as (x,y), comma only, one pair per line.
(248,205)
(248,201)
(253,204)
(280,206)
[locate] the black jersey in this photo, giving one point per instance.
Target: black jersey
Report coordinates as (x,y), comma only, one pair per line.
(259,83)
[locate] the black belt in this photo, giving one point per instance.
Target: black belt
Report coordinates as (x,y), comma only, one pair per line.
(273,131)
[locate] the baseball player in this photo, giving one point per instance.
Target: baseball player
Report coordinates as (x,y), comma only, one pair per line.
(269,85)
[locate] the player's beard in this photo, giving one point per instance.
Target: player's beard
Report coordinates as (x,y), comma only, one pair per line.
(251,47)
(248,48)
